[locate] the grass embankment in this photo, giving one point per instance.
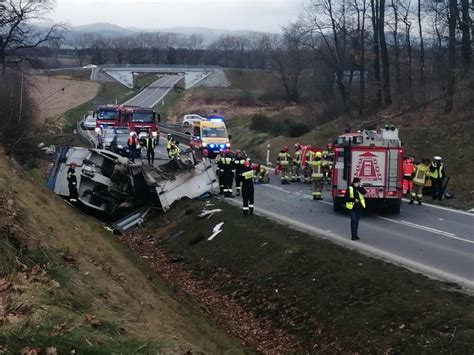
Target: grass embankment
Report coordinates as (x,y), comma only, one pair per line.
(330,299)
(144,79)
(66,283)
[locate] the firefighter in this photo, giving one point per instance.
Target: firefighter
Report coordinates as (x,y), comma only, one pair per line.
(169,140)
(355,203)
(327,165)
(297,163)
(437,175)
(226,166)
(317,175)
(132,145)
(100,138)
(220,171)
(261,174)
(422,172)
(174,151)
(284,159)
(408,169)
(239,162)
(72,182)
(150,144)
(247,175)
(307,169)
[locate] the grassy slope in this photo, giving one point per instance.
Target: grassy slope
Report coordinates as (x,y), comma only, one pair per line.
(330,298)
(135,309)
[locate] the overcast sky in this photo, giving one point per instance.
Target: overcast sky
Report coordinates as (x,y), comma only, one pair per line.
(259,15)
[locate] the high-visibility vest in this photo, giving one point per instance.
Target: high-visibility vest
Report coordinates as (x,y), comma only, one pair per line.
(132,140)
(283,158)
(360,198)
(247,175)
(226,160)
(297,156)
(421,173)
(317,167)
(310,157)
(438,173)
(150,143)
(408,168)
(175,152)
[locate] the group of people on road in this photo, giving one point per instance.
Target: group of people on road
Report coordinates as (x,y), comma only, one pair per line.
(426,176)
(316,168)
(237,167)
(149,142)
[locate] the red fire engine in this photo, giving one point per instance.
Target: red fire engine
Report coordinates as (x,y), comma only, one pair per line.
(376,157)
(108,116)
(139,119)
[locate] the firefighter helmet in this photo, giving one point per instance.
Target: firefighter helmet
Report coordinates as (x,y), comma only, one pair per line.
(285,148)
(319,155)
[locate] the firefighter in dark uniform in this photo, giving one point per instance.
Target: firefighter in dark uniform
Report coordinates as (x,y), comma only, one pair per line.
(72,182)
(226,166)
(150,144)
(247,175)
(220,171)
(239,162)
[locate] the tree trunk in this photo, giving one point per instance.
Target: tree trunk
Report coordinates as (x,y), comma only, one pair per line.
(385,58)
(396,47)
(466,48)
(376,64)
(452,17)
(422,47)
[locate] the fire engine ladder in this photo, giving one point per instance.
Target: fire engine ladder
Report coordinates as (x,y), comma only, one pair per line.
(392,161)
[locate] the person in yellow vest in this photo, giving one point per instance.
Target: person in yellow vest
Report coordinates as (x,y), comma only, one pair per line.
(174,151)
(437,176)
(297,163)
(308,162)
(355,203)
(317,175)
(284,159)
(327,165)
(422,172)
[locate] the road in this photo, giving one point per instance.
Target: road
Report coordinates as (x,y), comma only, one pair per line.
(431,239)
(434,240)
(153,94)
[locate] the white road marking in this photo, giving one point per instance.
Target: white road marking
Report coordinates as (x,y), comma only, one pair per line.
(428,229)
(405,223)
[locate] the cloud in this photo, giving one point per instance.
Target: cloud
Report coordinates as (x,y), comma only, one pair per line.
(261,15)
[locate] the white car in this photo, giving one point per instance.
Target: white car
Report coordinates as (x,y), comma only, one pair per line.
(188,120)
(89,122)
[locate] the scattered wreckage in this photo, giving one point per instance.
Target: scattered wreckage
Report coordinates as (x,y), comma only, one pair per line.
(112,185)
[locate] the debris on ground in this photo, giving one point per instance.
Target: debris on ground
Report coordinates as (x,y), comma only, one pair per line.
(217,230)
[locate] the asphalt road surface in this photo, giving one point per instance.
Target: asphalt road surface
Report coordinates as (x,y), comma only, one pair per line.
(434,240)
(153,94)
(429,238)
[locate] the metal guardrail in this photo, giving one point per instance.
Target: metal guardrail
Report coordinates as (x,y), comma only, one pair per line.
(84,135)
(176,131)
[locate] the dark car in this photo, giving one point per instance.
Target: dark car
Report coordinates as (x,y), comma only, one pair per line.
(119,145)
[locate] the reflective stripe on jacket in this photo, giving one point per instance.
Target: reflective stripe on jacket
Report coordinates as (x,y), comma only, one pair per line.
(437,172)
(284,158)
(353,200)
(422,171)
(317,167)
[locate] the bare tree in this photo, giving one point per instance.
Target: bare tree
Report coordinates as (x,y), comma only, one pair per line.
(81,43)
(422,47)
(287,58)
(360,7)
(396,45)
(385,57)
(451,84)
(17,36)
(466,24)
(374,5)
(409,58)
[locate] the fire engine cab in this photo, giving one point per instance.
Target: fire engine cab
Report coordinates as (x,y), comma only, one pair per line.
(376,157)
(139,119)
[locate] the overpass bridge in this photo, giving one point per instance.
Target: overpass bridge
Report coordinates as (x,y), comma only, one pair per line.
(125,74)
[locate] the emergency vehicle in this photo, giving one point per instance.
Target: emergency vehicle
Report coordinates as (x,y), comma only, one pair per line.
(210,136)
(376,158)
(139,119)
(108,116)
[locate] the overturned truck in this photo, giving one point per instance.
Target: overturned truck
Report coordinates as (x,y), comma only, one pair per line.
(111,184)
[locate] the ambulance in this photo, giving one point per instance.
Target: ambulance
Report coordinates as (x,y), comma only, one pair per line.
(210,136)
(376,158)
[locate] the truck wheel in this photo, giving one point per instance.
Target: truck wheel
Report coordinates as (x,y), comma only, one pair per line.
(337,205)
(395,207)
